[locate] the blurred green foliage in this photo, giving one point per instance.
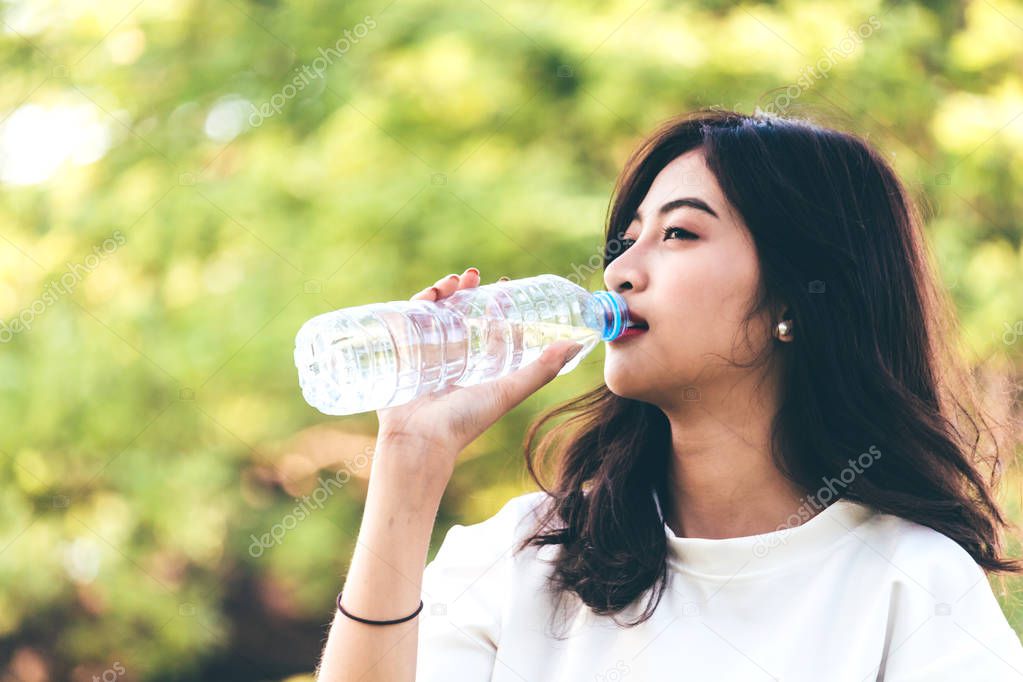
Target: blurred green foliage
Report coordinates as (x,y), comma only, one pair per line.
(185,183)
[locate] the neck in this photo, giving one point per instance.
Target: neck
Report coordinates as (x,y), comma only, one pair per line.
(722,479)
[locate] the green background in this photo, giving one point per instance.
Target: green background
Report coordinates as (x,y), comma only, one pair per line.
(151,418)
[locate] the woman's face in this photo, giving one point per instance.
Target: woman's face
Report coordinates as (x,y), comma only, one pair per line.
(693,286)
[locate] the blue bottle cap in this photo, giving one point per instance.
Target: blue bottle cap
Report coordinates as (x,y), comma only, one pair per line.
(616,314)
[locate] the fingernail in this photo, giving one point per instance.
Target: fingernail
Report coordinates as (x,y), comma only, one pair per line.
(453,276)
(574,351)
(502,279)
(473,270)
(435,291)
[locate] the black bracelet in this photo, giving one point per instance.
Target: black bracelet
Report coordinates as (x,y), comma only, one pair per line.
(379,622)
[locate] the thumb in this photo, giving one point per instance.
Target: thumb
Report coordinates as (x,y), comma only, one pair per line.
(564,352)
(556,356)
(525,381)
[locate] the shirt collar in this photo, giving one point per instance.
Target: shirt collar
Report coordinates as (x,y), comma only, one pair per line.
(808,531)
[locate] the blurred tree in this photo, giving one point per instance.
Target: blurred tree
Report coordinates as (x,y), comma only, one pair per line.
(185,183)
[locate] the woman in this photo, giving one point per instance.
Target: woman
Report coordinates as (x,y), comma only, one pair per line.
(782,478)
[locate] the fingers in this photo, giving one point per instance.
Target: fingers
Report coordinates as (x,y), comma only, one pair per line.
(427,294)
(449,285)
(437,291)
(519,385)
(470,278)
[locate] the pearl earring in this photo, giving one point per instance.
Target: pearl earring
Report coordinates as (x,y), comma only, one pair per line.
(783,331)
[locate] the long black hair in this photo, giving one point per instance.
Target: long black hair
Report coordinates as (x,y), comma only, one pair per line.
(874,361)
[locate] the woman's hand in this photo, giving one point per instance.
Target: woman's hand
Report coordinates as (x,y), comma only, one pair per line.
(439,425)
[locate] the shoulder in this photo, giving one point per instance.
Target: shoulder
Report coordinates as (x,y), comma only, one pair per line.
(486,543)
(512,521)
(944,621)
(920,555)
(468,580)
(512,518)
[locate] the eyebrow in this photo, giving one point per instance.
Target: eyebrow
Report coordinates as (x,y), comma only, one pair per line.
(684,202)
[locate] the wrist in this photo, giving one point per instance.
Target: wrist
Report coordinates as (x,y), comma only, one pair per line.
(411,472)
(413,443)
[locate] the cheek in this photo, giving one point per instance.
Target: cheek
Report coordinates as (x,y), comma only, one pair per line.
(713,298)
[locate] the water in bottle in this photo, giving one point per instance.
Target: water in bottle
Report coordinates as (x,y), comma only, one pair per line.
(385,354)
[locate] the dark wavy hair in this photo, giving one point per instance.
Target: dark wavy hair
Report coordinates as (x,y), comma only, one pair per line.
(874,360)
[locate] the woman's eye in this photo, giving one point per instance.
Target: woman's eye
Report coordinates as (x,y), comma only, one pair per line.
(626,242)
(686,234)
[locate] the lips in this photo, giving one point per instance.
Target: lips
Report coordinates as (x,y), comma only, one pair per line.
(635,320)
(628,333)
(637,327)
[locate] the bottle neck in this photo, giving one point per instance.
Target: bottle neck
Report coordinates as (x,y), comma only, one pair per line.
(614,314)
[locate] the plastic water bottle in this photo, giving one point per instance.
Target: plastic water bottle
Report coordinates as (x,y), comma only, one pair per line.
(385,354)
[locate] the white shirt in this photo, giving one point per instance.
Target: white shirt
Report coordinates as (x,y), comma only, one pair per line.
(851,594)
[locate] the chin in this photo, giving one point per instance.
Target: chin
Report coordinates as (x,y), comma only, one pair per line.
(626,384)
(640,396)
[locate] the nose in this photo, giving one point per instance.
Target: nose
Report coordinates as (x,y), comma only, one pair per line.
(625,272)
